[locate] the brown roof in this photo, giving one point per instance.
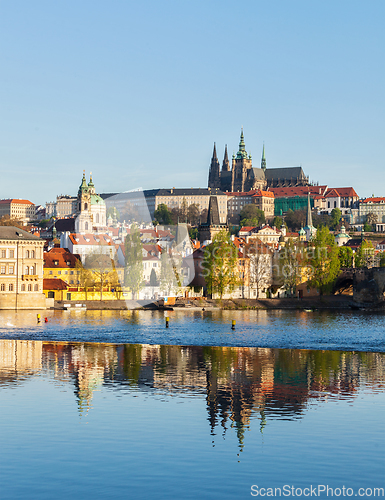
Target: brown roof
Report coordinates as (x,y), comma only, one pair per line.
(54,284)
(289,192)
(62,256)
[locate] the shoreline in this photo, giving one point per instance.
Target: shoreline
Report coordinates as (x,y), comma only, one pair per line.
(327,302)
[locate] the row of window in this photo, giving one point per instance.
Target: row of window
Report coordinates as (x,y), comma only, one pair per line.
(28,254)
(23,288)
(29,270)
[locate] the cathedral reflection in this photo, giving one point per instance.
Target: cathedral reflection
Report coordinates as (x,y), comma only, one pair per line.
(240,385)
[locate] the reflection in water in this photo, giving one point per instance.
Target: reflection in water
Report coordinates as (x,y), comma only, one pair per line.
(239,384)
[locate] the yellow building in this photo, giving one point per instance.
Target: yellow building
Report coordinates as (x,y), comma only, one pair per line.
(21,269)
(66,279)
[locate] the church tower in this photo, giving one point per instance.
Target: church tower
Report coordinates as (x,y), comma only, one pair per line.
(83,220)
(263,159)
(241,165)
(214,174)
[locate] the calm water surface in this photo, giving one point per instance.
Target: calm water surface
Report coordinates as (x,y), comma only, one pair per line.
(99,405)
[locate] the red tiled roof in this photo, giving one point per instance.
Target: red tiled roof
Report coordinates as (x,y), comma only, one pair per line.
(62,255)
(14,200)
(54,284)
(332,193)
(374,200)
(347,192)
(266,194)
(246,229)
(289,192)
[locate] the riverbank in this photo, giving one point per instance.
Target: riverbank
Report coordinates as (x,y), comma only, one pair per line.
(324,302)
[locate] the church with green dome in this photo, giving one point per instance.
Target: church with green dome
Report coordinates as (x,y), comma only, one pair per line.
(91,208)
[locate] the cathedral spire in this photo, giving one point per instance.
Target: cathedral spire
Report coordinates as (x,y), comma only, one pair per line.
(263,159)
(215,153)
(242,149)
(214,174)
(226,163)
(309,222)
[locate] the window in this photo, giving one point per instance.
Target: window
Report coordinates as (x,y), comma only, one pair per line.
(86,226)
(2,269)
(23,287)
(27,254)
(50,272)
(12,254)
(36,288)
(55,262)
(3,254)
(10,287)
(27,270)
(59,272)
(11,269)
(71,272)
(29,287)
(2,287)
(32,254)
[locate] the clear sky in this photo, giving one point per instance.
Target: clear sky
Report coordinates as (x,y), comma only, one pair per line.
(137,92)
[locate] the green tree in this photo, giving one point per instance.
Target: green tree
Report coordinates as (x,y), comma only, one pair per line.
(133,266)
(382,259)
(153,278)
(168,281)
(292,259)
(345,254)
(335,217)
(162,215)
(324,260)
(364,256)
(277,222)
(251,215)
(220,264)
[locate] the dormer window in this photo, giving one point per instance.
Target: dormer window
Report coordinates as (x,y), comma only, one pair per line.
(55,262)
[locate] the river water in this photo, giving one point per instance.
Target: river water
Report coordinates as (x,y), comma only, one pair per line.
(110,404)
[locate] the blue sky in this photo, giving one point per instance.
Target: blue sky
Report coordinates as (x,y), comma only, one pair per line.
(138,92)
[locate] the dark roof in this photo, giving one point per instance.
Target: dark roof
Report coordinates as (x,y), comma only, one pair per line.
(284,173)
(65,225)
(15,233)
(257,173)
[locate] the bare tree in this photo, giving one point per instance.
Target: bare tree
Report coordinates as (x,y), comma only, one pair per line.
(260,267)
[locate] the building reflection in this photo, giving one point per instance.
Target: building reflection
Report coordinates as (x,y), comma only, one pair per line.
(240,385)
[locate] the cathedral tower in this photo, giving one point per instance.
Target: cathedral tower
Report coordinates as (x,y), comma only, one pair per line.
(214,174)
(241,165)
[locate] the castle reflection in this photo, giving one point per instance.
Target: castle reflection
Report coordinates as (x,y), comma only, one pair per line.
(239,384)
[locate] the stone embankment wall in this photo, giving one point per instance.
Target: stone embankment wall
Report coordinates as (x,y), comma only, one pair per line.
(369,285)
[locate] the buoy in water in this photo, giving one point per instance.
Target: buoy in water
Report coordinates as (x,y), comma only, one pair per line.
(233,324)
(167,321)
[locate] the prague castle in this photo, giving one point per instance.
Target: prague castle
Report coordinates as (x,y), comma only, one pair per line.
(242,176)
